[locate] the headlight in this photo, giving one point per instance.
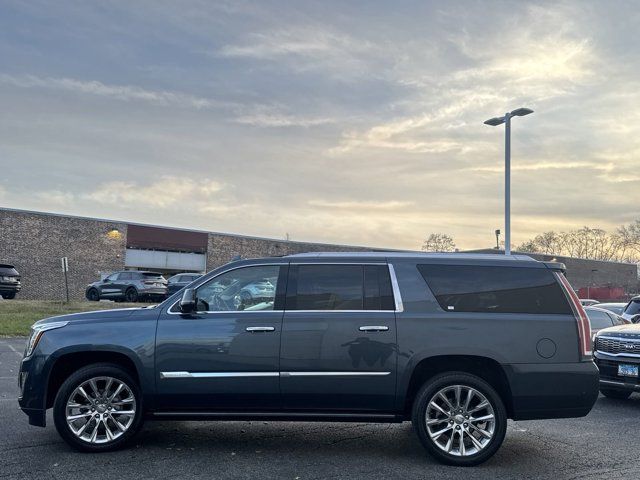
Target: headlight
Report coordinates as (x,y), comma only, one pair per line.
(36,334)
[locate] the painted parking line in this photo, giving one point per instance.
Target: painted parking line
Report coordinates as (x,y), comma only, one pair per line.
(12,348)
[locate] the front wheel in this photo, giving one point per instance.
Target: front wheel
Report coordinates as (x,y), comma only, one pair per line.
(98,408)
(616,394)
(459,418)
(93,295)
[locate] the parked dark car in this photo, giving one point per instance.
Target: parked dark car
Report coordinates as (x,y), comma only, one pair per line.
(617,354)
(129,286)
(455,343)
(179,281)
(9,281)
(615,307)
(600,318)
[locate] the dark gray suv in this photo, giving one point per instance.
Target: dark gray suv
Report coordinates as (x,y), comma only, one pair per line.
(454,343)
(129,286)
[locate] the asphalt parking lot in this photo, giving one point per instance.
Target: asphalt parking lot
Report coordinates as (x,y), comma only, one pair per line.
(602,444)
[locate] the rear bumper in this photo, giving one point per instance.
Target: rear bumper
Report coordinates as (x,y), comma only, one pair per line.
(557,390)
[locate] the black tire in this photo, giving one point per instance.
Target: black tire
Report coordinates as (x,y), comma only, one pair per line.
(74,381)
(9,296)
(451,379)
(131,295)
(93,295)
(615,394)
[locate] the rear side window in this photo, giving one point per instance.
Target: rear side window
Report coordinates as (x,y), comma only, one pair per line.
(488,289)
(340,287)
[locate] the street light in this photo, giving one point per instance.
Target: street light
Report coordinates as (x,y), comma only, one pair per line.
(494,122)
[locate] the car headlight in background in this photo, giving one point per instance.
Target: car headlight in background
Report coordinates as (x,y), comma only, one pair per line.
(36,334)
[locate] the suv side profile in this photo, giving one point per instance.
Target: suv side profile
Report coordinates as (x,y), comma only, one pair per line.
(179,281)
(455,343)
(128,286)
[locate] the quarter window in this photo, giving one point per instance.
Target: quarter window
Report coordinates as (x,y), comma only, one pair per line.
(470,288)
(242,289)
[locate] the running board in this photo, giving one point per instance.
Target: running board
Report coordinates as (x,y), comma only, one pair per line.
(280,416)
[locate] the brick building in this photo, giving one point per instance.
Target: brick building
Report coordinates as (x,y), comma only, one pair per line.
(35,242)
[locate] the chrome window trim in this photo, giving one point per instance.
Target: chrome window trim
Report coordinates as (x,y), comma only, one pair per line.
(397,298)
(396,289)
(184,374)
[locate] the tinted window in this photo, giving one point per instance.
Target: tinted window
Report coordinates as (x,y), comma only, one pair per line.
(125,276)
(377,288)
(149,275)
(340,287)
(329,287)
(633,308)
(8,271)
(112,277)
(249,288)
(466,288)
(598,319)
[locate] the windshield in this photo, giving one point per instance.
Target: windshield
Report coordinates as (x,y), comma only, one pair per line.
(8,271)
(633,308)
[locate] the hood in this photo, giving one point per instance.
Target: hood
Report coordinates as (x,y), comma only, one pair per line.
(633,328)
(118,313)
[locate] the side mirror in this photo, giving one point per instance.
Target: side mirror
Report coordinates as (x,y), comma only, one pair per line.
(106,280)
(635,319)
(188,301)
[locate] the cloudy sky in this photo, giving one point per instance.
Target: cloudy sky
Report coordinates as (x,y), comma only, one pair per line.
(350,122)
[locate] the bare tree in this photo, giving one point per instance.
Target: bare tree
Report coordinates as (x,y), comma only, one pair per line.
(438,242)
(587,242)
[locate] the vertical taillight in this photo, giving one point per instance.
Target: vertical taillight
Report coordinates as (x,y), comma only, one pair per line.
(584,327)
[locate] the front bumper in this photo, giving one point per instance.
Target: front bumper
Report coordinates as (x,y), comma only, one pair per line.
(10,287)
(554,390)
(32,382)
(609,378)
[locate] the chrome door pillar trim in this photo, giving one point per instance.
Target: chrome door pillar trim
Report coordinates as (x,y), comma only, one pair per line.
(396,289)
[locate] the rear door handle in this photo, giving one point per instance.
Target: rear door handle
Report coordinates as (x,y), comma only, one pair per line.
(260,329)
(373,328)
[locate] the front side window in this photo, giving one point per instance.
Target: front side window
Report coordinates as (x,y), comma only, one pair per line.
(111,278)
(489,289)
(243,289)
(125,276)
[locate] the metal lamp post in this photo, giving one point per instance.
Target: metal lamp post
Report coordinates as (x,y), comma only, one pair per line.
(494,122)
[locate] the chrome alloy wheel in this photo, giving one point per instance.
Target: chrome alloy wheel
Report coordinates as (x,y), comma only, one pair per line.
(100,410)
(460,420)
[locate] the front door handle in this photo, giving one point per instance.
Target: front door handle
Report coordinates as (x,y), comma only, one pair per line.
(260,329)
(373,328)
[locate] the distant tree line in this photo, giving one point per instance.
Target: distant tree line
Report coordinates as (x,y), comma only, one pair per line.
(622,245)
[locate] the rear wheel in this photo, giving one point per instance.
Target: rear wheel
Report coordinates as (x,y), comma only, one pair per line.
(98,408)
(459,418)
(617,394)
(131,295)
(93,295)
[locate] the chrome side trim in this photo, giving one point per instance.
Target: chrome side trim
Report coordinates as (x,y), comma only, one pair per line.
(217,374)
(260,329)
(396,289)
(169,375)
(333,374)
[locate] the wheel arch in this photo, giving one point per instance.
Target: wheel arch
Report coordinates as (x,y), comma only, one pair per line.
(486,368)
(68,362)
